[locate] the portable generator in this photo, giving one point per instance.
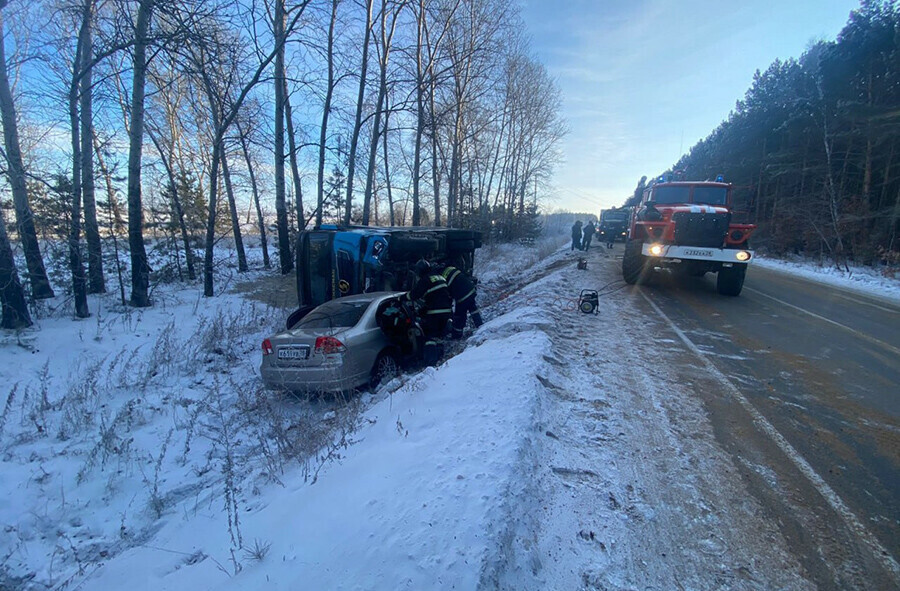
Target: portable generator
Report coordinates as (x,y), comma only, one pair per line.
(588,301)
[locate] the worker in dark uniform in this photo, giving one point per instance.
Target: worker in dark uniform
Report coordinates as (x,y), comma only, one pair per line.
(434,306)
(462,290)
(576,235)
(588,236)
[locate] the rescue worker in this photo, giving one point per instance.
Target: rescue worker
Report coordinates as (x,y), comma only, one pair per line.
(434,306)
(462,290)
(576,236)
(589,230)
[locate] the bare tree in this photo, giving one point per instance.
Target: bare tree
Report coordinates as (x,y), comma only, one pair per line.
(12,296)
(357,122)
(326,111)
(261,224)
(140,269)
(235,223)
(15,170)
(292,155)
(384,51)
(215,57)
(96,281)
(284,241)
(76,264)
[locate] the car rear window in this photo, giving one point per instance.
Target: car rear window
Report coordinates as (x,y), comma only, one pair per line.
(334,314)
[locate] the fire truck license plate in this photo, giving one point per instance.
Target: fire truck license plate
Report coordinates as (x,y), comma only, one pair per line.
(691,252)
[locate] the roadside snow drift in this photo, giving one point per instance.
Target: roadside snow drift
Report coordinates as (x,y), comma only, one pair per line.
(420,501)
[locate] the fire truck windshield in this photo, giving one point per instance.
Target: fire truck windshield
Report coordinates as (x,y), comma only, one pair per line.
(682,194)
(710,195)
(679,194)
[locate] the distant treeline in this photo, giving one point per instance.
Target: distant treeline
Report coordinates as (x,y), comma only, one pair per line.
(813,148)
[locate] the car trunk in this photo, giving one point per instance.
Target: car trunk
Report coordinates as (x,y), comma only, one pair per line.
(297,349)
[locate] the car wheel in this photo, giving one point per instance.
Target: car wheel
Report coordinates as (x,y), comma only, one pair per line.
(386,368)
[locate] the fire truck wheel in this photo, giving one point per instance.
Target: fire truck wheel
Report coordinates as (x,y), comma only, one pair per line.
(633,262)
(731,280)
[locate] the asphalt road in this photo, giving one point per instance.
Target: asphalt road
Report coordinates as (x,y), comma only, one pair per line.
(802,384)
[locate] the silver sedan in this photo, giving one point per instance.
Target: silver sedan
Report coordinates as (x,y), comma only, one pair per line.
(337,346)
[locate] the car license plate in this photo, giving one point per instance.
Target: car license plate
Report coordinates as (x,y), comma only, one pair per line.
(295,352)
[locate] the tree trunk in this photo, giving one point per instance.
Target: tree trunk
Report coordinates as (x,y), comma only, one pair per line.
(435,169)
(176,206)
(255,188)
(211,223)
(326,111)
(37,275)
(117,221)
(140,269)
(76,264)
(373,150)
(281,218)
(387,37)
(14,313)
(420,112)
(357,123)
(387,168)
(295,169)
(97,282)
(235,222)
(115,215)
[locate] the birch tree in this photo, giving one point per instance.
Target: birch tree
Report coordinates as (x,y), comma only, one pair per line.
(15,170)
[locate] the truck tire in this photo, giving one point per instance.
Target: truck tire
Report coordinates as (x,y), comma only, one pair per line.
(634,263)
(730,281)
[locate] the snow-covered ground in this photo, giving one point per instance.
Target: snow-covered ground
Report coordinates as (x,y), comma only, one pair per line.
(880,281)
(138,451)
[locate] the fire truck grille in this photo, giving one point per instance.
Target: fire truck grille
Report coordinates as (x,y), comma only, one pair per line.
(701,229)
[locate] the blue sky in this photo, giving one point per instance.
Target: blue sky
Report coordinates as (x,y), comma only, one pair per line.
(643,80)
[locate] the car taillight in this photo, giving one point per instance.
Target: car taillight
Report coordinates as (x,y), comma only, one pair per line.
(267,347)
(329,346)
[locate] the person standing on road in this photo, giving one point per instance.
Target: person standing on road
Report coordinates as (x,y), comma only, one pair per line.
(576,236)
(589,230)
(434,307)
(462,290)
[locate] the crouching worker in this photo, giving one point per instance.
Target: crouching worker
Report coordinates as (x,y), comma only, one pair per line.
(433,299)
(462,290)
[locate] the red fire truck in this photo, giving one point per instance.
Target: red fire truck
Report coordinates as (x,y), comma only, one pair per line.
(687,226)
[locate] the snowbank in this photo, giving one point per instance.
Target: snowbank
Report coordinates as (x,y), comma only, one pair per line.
(868,280)
(421,500)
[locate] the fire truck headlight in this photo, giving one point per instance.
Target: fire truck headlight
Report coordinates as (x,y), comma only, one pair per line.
(656,250)
(742,255)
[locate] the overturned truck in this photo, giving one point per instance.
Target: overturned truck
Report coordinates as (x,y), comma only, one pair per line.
(336,261)
(688,227)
